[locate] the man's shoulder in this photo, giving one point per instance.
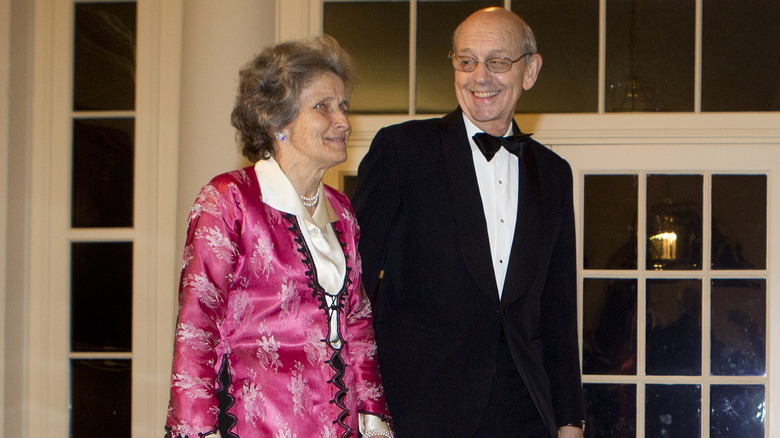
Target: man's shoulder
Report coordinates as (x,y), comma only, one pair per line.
(547,156)
(426,126)
(414,126)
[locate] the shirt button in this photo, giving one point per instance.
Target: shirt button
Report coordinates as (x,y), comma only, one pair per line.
(502,221)
(501,261)
(500,181)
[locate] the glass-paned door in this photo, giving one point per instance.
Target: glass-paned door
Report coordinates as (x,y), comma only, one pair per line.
(703,60)
(101,217)
(675,273)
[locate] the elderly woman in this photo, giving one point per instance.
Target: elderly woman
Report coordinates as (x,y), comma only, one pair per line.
(274,334)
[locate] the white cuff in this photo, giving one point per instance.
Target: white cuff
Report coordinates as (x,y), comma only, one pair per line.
(374,424)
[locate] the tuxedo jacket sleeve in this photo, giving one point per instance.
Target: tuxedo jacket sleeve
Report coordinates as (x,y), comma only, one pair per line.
(438,317)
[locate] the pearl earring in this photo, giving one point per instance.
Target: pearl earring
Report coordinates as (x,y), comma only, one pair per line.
(280,135)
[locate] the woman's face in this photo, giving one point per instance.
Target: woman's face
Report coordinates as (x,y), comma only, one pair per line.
(318,136)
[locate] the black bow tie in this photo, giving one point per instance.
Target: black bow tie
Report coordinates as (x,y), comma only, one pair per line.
(490,144)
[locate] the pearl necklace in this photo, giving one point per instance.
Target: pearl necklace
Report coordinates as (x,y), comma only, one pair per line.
(311,202)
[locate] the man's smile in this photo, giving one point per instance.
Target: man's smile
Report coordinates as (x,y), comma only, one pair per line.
(484,94)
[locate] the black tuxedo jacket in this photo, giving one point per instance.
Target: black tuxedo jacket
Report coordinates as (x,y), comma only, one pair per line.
(437,314)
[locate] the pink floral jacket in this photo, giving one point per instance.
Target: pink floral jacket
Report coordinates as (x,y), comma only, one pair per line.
(250,354)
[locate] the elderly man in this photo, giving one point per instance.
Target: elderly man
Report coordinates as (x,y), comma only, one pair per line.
(475,318)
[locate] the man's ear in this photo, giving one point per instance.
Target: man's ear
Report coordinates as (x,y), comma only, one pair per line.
(532,71)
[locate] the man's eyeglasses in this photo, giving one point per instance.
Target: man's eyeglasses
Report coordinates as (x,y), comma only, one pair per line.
(495,65)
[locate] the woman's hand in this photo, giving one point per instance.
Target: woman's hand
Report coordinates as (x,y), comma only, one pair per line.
(377,433)
(570,432)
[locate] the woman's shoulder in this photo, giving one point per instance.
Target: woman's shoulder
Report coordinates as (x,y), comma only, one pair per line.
(239,177)
(229,188)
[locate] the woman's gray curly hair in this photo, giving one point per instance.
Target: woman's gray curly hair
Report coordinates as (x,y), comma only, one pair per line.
(270,86)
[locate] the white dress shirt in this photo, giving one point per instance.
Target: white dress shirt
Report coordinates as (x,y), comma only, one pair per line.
(498,185)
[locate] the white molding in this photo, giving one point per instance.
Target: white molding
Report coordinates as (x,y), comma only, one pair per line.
(38,361)
(707,131)
(60,150)
(607,129)
(157,139)
(167,257)
(5,79)
(46,371)
(773,304)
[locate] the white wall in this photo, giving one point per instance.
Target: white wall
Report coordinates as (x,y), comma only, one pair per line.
(5,46)
(218,39)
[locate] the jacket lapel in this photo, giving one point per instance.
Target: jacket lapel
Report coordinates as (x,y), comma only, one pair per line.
(523,259)
(467,203)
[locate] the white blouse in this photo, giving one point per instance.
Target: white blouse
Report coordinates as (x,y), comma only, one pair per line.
(325,248)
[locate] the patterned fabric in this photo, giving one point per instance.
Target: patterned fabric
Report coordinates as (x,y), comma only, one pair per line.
(251,357)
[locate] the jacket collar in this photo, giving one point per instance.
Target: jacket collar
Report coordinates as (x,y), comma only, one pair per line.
(467,202)
(279,193)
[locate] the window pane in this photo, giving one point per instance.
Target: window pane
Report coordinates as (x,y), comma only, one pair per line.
(100,402)
(610,240)
(567,37)
(673,410)
(738,328)
(650,55)
(740,56)
(104,56)
(610,410)
(674,221)
(609,326)
(103,162)
(737,411)
(674,327)
(739,221)
(436,21)
(101,296)
(376,34)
